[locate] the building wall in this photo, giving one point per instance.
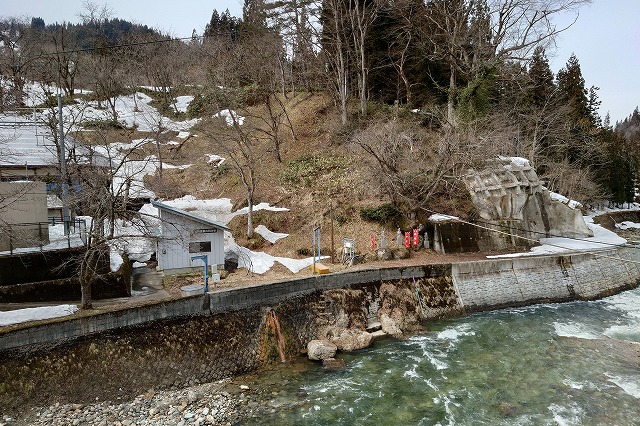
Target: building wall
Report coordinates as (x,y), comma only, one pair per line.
(23,208)
(173,246)
(10,173)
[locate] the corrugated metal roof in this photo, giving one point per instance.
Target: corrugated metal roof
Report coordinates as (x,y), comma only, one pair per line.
(24,142)
(191,216)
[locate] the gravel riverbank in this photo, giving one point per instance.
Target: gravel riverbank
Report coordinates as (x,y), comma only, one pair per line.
(218,403)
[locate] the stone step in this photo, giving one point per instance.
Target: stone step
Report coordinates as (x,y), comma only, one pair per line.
(378,333)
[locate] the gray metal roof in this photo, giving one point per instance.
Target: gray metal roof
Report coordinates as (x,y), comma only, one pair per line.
(24,142)
(54,202)
(188,215)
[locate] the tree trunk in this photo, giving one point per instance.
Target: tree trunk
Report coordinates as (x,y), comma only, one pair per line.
(86,302)
(87,274)
(451,111)
(363,86)
(250,217)
(341,65)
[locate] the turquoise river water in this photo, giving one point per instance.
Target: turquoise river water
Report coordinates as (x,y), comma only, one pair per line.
(556,364)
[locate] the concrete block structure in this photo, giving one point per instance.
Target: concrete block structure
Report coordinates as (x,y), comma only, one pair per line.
(23,215)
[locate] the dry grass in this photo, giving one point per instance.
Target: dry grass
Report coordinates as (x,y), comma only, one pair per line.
(318,171)
(340,180)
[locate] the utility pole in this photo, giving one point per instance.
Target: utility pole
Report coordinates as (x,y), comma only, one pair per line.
(66,219)
(332,246)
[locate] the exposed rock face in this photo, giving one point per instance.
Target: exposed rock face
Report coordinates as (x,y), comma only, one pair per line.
(508,189)
(352,340)
(348,309)
(348,316)
(390,326)
(545,214)
(318,350)
(398,311)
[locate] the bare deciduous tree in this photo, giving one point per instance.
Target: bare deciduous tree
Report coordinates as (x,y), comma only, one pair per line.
(361,16)
(468,34)
(335,41)
(413,164)
(240,146)
(107,175)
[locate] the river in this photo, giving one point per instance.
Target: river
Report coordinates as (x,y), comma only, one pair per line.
(556,364)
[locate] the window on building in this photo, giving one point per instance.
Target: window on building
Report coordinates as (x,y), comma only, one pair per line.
(199,246)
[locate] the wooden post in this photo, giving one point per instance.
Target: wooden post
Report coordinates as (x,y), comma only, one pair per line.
(332,246)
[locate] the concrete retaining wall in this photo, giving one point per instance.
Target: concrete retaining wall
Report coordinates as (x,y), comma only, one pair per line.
(521,281)
(204,338)
(481,285)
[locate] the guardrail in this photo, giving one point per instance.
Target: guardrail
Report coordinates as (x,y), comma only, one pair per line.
(16,232)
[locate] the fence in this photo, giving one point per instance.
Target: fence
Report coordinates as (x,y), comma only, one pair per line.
(31,235)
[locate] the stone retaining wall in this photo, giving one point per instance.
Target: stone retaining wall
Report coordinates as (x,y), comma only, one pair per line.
(520,281)
(204,338)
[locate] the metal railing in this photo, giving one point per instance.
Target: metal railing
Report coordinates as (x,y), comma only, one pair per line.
(31,234)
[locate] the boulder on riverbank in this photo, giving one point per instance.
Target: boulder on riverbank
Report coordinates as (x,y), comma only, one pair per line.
(352,340)
(318,350)
(334,364)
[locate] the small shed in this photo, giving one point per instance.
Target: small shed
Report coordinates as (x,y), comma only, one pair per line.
(184,235)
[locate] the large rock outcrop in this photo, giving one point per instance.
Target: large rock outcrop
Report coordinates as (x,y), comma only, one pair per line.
(508,189)
(515,211)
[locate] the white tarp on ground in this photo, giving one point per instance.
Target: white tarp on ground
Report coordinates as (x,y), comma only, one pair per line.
(259,262)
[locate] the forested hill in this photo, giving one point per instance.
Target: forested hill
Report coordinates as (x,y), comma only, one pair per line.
(630,128)
(423,91)
(84,35)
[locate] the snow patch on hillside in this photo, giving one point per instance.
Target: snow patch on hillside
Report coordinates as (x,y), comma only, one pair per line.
(229,117)
(268,235)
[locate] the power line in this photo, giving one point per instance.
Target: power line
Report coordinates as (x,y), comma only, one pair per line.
(545,234)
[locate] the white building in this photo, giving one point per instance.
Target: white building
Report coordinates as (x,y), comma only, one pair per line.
(184,235)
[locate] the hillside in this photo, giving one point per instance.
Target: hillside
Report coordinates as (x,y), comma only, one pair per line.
(317,169)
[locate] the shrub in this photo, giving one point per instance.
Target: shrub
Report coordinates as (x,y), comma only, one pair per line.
(383,214)
(303,251)
(302,170)
(216,172)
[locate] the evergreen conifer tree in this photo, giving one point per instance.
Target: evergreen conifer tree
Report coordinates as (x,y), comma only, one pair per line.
(542,84)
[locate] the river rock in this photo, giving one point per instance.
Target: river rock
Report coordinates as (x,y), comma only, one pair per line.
(334,364)
(352,340)
(318,350)
(390,326)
